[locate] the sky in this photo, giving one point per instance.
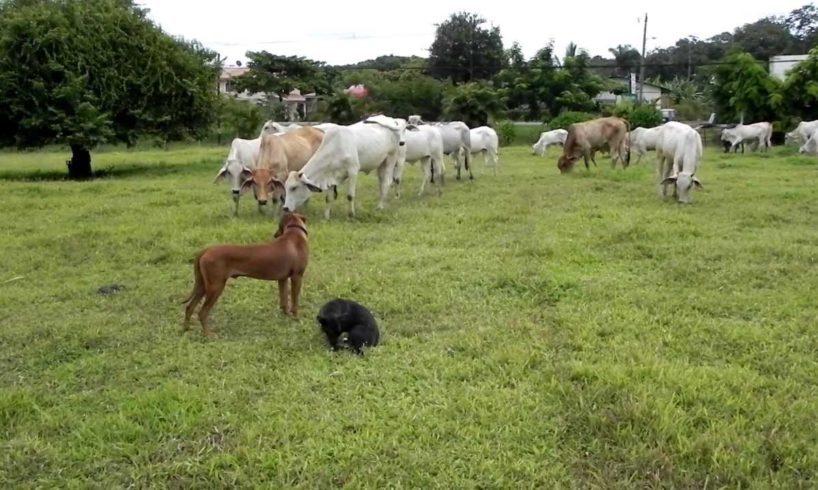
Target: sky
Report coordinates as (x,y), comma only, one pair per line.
(342,32)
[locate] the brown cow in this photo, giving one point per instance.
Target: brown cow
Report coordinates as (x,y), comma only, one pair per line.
(586,138)
(278,155)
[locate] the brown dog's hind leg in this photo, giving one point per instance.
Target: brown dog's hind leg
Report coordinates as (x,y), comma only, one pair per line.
(295,285)
(214,290)
(195,296)
(282,296)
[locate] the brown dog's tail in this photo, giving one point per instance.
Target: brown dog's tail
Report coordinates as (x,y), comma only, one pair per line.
(198,285)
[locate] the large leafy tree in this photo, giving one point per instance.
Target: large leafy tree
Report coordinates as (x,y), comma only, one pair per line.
(474,104)
(803,24)
(278,75)
(626,58)
(85,72)
(766,38)
(743,88)
(464,51)
(799,93)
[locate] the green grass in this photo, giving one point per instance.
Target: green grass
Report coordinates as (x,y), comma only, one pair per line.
(539,331)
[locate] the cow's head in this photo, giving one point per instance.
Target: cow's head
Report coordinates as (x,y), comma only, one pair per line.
(298,189)
(266,187)
(684,184)
(235,173)
(566,163)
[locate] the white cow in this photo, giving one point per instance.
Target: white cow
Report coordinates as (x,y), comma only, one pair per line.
(239,165)
(549,138)
(456,140)
(425,144)
(760,132)
(484,140)
(810,146)
(272,127)
(643,140)
(679,152)
(372,144)
(802,132)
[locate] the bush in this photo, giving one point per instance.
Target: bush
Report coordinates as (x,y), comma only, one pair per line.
(506,133)
(638,115)
(238,119)
(567,118)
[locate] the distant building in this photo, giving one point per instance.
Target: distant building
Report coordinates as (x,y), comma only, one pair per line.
(780,65)
(652,93)
(297,106)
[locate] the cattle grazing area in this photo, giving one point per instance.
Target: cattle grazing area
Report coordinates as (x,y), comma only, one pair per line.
(537,329)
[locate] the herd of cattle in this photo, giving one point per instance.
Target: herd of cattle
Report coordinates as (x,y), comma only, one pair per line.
(286,164)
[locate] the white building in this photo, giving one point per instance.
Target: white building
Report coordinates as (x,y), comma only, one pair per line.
(630,91)
(297,106)
(780,65)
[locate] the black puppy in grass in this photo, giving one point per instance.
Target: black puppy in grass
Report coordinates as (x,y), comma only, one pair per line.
(341,316)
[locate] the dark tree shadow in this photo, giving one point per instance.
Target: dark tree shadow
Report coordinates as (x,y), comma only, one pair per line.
(123,171)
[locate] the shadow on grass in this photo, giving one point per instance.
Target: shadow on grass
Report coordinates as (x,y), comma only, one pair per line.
(122,171)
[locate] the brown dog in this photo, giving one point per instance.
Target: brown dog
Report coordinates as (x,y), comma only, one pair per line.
(284,258)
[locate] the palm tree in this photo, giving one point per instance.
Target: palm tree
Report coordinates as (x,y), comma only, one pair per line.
(626,58)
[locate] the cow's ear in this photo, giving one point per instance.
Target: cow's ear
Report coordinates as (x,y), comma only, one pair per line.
(246,171)
(220,175)
(669,180)
(697,183)
(277,183)
(246,184)
(312,187)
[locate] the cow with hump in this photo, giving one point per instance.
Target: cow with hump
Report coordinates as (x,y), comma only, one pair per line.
(371,144)
(586,138)
(679,152)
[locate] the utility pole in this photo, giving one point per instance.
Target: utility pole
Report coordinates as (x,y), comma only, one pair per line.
(642,64)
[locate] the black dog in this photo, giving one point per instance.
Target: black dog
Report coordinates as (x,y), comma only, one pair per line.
(344,316)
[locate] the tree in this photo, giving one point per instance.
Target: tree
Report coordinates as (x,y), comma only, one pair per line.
(626,58)
(114,76)
(464,51)
(803,24)
(474,104)
(278,75)
(766,38)
(744,88)
(799,93)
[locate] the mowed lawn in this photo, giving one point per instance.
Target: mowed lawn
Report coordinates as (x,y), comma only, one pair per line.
(539,331)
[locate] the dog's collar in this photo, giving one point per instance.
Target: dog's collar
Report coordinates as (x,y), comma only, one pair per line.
(296,225)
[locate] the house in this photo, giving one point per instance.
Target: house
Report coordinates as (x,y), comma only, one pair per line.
(780,65)
(629,90)
(297,106)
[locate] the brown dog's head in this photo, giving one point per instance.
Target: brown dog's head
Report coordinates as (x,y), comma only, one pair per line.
(291,220)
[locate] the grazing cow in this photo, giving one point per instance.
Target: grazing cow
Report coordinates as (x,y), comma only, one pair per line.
(484,140)
(761,132)
(272,127)
(802,132)
(679,152)
(587,137)
(549,138)
(810,147)
(425,144)
(456,141)
(278,155)
(643,140)
(239,164)
(372,144)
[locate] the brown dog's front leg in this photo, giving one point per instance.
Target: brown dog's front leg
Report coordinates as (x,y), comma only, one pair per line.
(296,292)
(282,296)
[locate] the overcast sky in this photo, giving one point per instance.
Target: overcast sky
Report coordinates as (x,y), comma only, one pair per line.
(345,31)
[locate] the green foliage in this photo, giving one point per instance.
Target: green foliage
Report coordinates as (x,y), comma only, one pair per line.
(766,38)
(743,86)
(626,59)
(576,333)
(278,75)
(798,95)
(343,109)
(463,51)
(111,76)
(239,119)
(474,104)
(388,63)
(506,133)
(803,24)
(567,118)
(638,115)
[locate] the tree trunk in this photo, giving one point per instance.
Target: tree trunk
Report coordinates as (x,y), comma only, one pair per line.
(79,167)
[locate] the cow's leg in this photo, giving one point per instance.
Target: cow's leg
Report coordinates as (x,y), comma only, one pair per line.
(428,173)
(384,179)
(235,206)
(353,182)
(468,162)
(438,166)
(456,158)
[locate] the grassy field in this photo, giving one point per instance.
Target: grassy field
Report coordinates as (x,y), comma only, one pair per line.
(539,331)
